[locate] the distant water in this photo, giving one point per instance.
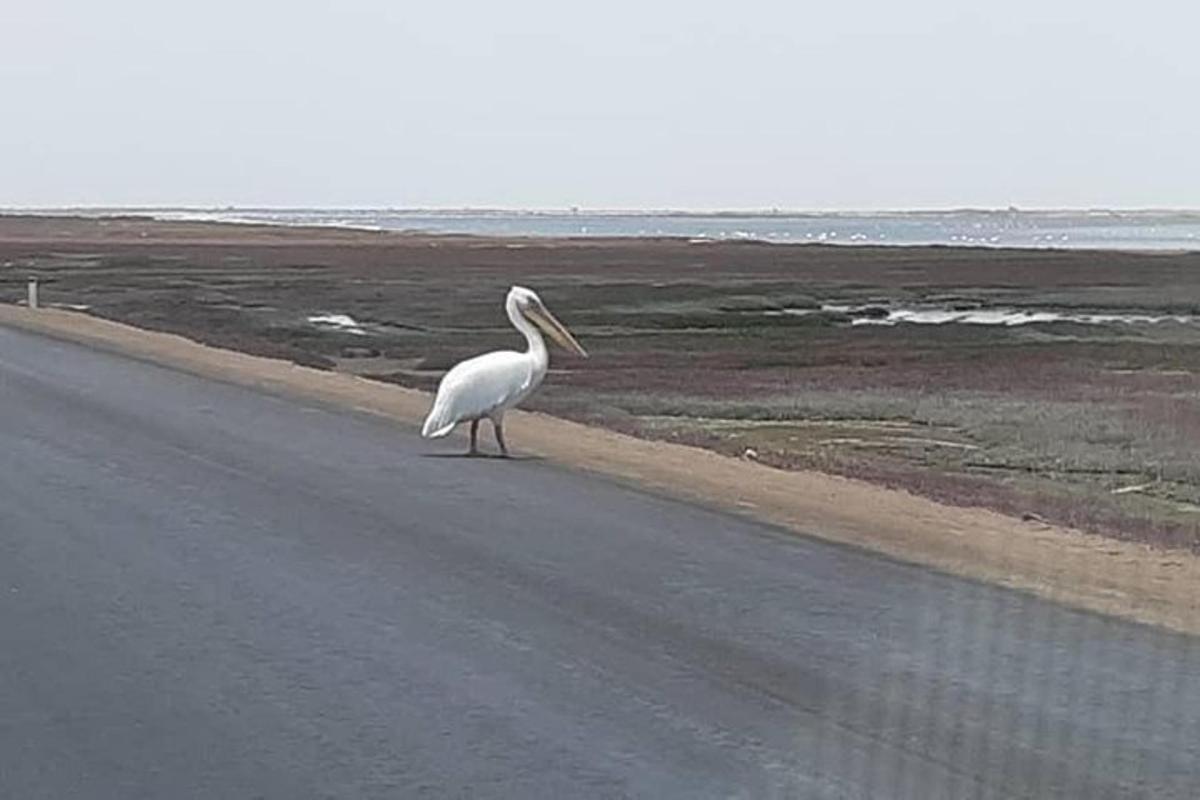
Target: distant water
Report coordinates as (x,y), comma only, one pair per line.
(1127,230)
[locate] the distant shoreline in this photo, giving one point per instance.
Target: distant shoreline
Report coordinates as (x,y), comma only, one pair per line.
(335,223)
(1138,230)
(1101,230)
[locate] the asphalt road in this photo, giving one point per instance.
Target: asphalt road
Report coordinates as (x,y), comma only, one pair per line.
(210,592)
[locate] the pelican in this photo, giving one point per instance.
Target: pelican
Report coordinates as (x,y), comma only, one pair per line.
(490,384)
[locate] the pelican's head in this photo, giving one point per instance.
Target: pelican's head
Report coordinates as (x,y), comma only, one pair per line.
(530,306)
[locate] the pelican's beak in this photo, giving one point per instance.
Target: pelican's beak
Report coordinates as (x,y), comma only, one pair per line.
(555,330)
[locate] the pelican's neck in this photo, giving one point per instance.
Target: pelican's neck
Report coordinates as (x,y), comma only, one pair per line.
(537,345)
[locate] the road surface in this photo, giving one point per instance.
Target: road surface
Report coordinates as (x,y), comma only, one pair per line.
(208,592)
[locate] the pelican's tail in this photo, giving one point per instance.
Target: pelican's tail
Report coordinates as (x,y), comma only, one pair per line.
(439,422)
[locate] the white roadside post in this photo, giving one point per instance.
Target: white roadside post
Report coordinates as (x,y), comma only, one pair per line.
(33,293)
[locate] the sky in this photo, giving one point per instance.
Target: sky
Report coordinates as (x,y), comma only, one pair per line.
(615,104)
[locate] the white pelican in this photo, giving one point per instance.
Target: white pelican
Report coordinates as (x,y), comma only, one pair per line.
(490,384)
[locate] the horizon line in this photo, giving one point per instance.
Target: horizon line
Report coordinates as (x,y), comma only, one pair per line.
(765,211)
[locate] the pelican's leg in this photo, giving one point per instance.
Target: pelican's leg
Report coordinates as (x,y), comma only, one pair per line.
(474,451)
(498,427)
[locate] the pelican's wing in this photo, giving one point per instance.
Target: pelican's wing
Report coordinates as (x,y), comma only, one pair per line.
(475,388)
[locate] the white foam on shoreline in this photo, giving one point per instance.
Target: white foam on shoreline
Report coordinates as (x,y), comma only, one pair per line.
(289,220)
(338,322)
(1007,317)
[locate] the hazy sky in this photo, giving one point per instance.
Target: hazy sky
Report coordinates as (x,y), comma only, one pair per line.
(616,104)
